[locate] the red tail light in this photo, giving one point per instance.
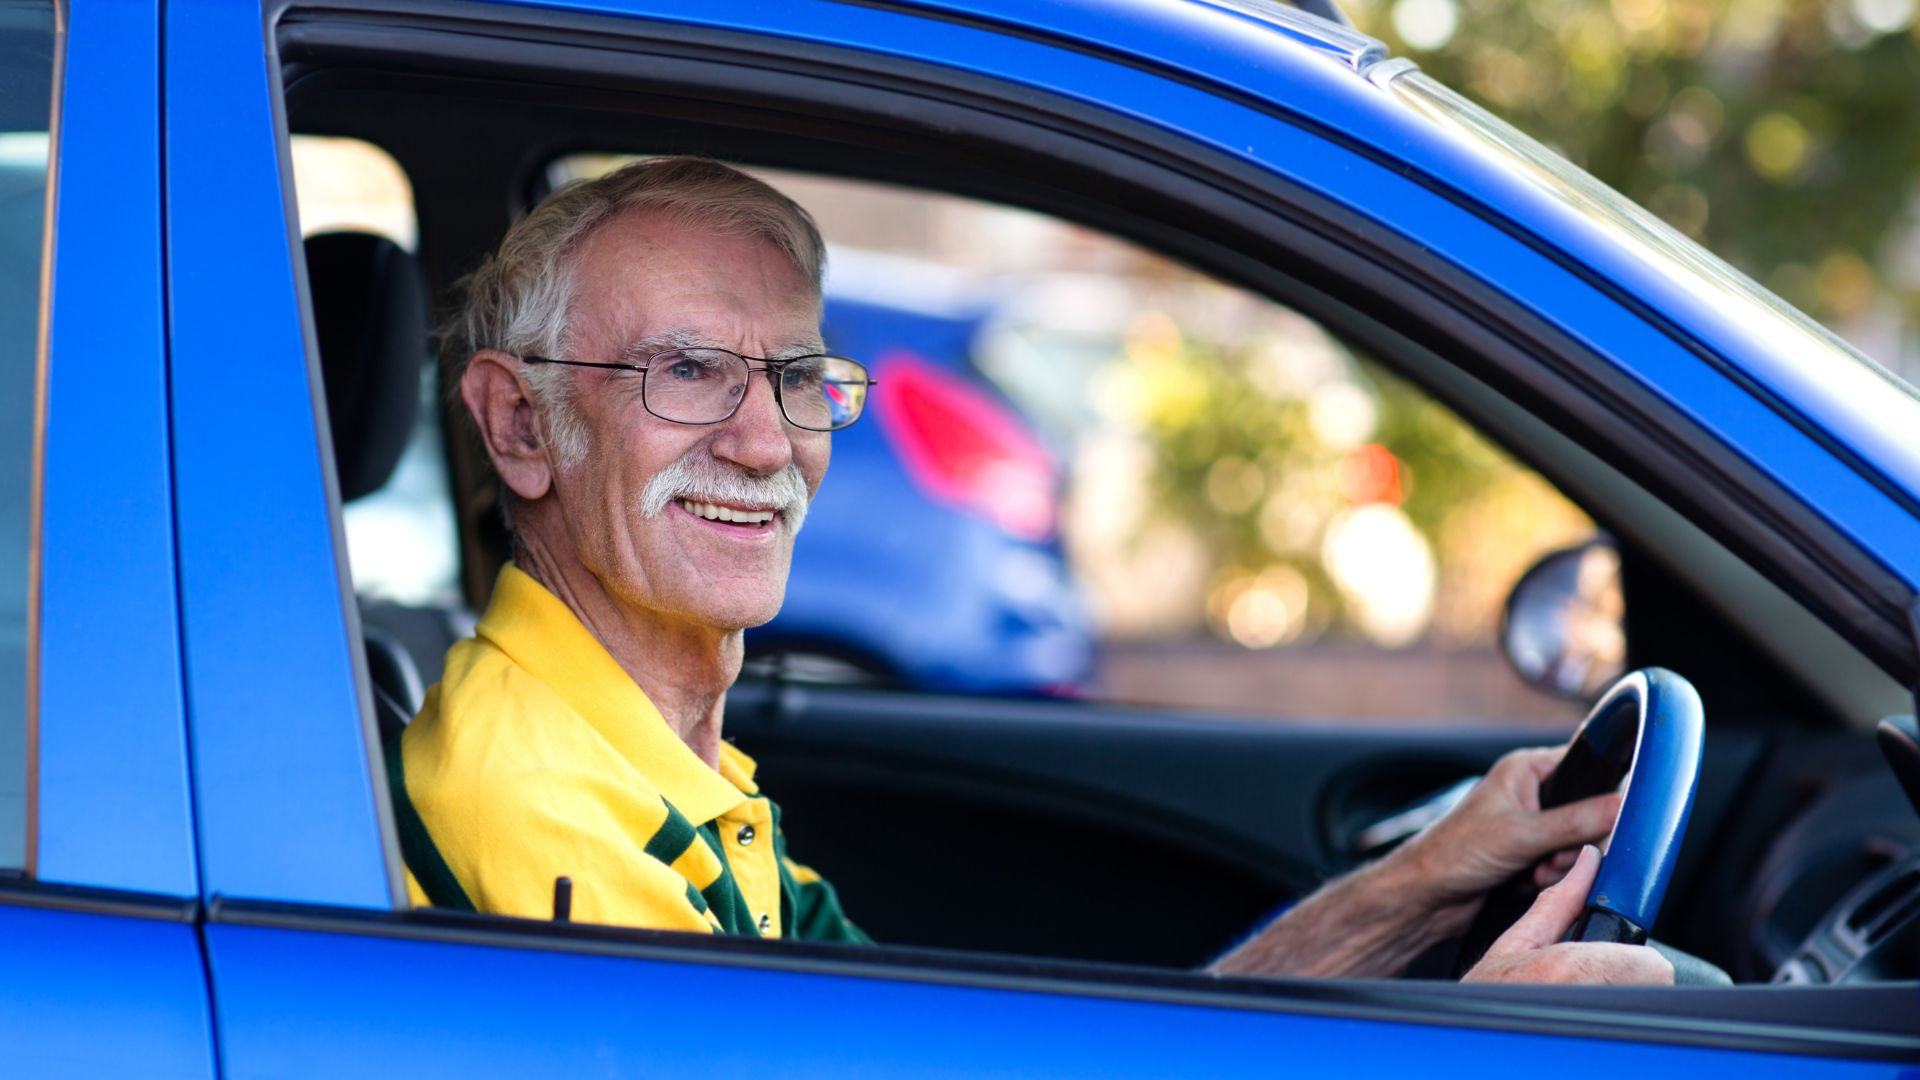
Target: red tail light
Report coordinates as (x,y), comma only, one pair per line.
(964,448)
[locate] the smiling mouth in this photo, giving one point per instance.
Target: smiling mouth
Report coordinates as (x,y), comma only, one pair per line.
(739,517)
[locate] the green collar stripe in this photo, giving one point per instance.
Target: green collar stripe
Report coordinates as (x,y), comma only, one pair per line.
(674,836)
(787,889)
(729,906)
(416,846)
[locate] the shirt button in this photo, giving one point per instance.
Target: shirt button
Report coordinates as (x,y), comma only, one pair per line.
(745,835)
(766,923)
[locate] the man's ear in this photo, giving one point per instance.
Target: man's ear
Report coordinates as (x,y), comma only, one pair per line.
(504,414)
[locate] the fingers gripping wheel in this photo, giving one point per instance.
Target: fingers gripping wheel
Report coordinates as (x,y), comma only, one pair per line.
(1646,734)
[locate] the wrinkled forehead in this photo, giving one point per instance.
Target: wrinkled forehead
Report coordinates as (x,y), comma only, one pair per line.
(682,234)
(647,280)
(647,345)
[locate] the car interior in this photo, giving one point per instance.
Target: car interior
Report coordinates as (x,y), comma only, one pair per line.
(1149,838)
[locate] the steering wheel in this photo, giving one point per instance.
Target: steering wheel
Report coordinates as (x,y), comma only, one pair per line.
(1646,733)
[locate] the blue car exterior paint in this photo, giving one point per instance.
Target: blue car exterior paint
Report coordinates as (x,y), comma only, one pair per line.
(266,682)
(114,806)
(825,1025)
(98,994)
(212,576)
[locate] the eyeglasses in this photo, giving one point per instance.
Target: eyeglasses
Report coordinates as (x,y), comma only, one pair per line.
(706,386)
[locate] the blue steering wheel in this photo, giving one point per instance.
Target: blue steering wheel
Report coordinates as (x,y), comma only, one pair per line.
(1646,733)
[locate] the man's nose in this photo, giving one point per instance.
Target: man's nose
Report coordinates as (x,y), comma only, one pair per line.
(755,437)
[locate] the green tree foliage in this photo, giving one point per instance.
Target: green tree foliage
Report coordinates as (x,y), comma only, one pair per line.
(1263,447)
(1782,134)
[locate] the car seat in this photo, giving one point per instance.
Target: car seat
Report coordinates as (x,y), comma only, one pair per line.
(370,316)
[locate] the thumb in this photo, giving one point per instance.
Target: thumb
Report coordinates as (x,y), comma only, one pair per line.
(1547,921)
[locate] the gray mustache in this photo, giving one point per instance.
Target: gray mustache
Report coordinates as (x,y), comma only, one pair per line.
(699,476)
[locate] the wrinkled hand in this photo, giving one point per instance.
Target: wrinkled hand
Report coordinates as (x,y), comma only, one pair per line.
(1498,830)
(1531,950)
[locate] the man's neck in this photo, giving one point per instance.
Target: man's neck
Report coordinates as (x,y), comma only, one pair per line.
(683,668)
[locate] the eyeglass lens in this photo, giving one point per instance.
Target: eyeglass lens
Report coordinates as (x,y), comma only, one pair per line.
(702,386)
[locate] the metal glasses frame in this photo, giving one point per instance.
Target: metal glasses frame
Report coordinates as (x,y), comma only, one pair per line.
(772,367)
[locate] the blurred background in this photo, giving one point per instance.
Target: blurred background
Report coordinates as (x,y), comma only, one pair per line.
(1781,134)
(1152,487)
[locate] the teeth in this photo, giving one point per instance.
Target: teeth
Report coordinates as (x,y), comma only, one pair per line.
(726,513)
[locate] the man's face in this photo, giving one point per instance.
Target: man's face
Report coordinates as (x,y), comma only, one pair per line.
(644,283)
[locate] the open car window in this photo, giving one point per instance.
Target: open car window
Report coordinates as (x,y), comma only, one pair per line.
(1159,489)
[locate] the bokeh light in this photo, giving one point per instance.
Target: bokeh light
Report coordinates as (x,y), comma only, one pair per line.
(1777,146)
(1426,24)
(1385,568)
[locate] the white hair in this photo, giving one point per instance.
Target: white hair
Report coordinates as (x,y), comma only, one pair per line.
(519,300)
(700,477)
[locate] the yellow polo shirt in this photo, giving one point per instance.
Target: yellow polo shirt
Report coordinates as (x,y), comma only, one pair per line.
(536,757)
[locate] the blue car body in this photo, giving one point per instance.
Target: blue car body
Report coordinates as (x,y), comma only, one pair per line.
(214,883)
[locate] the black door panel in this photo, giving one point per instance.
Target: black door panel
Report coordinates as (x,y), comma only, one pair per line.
(992,861)
(1099,832)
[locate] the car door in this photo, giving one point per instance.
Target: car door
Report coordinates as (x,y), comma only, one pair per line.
(311,962)
(103,972)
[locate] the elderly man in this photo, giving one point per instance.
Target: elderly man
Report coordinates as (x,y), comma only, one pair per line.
(612,354)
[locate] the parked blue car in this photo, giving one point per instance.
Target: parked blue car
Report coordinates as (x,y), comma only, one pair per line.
(207,877)
(933,560)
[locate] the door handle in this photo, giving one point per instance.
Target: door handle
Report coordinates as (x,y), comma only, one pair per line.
(1410,819)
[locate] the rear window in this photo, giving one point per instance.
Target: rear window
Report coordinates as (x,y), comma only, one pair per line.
(26,105)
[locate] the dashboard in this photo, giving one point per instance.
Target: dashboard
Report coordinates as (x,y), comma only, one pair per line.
(1837,898)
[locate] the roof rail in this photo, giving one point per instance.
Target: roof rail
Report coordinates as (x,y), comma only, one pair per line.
(1267,9)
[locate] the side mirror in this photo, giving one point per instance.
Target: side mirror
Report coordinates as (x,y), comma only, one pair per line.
(1564,629)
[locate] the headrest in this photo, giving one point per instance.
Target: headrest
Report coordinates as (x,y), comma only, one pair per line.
(370,309)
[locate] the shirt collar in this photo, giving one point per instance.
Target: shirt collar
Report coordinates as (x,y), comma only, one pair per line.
(544,637)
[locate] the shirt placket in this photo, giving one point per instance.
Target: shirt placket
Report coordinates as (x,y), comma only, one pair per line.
(746,832)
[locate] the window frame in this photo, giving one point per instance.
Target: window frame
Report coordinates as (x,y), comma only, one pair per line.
(1304,246)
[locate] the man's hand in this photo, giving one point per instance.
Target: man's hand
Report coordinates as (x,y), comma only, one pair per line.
(1374,921)
(1499,830)
(1531,950)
